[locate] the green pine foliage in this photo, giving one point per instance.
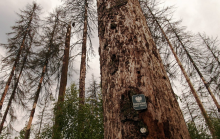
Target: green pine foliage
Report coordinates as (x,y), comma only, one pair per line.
(70,117)
(46,132)
(216,124)
(197,133)
(200,132)
(21,134)
(5,134)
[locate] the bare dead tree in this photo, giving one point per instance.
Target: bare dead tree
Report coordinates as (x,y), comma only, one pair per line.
(16,85)
(206,42)
(130,64)
(83,13)
(16,45)
(52,45)
(196,68)
(188,80)
(63,82)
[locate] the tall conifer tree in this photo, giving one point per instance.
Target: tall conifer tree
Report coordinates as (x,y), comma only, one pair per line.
(194,92)
(84,16)
(52,40)
(23,32)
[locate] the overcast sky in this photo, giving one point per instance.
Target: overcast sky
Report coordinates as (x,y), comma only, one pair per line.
(197,15)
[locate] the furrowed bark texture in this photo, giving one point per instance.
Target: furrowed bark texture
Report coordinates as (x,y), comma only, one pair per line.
(83,59)
(130,64)
(17,59)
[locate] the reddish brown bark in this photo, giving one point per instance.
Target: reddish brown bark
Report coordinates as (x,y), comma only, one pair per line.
(15,87)
(28,128)
(83,59)
(188,80)
(63,80)
(64,71)
(130,64)
(198,71)
(12,72)
(37,93)
(13,93)
(41,120)
(17,59)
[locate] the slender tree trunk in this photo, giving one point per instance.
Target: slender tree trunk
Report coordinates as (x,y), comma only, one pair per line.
(41,121)
(207,45)
(12,72)
(82,73)
(198,71)
(130,65)
(188,80)
(188,107)
(28,128)
(13,92)
(63,83)
(16,60)
(64,70)
(83,59)
(37,93)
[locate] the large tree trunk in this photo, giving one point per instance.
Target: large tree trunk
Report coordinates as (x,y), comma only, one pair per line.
(63,82)
(130,64)
(188,80)
(83,59)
